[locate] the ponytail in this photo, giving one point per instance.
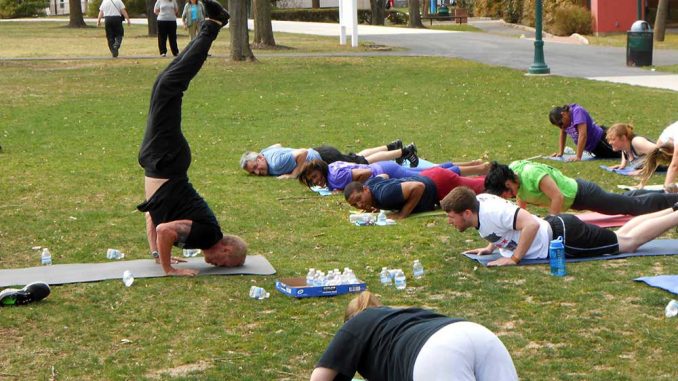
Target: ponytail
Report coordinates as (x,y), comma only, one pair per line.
(650,163)
(555,116)
(360,303)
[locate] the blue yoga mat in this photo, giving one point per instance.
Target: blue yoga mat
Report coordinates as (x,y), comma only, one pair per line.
(652,248)
(624,171)
(666,282)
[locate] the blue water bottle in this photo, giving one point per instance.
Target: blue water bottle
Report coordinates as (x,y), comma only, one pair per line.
(557,257)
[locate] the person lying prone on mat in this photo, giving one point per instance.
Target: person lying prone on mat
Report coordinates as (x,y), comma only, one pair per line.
(175,213)
(575,121)
(665,153)
(286,163)
(337,175)
(402,344)
(407,195)
(539,184)
(518,234)
(633,148)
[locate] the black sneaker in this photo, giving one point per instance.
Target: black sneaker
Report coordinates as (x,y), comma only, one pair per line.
(31,293)
(114,52)
(216,12)
(411,155)
(394,145)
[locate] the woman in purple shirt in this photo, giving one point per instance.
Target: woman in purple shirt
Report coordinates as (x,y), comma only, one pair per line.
(575,121)
(337,175)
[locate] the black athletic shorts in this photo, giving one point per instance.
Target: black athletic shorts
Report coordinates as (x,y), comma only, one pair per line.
(582,239)
(330,155)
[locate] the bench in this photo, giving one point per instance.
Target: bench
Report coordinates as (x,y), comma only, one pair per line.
(460,16)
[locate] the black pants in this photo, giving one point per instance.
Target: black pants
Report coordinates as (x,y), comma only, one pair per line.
(330,154)
(114,31)
(604,150)
(167,30)
(581,239)
(591,197)
(164,151)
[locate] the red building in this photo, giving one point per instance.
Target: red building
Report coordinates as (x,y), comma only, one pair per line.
(616,16)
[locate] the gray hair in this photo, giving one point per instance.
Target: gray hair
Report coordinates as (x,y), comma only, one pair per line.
(247,156)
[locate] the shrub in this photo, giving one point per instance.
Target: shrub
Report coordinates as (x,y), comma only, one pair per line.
(22,8)
(397,17)
(135,8)
(316,15)
(571,19)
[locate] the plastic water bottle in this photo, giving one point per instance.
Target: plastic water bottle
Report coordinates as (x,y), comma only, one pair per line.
(381,218)
(557,257)
(417,269)
(258,293)
(309,276)
(671,309)
(188,253)
(385,277)
(400,281)
(127,278)
(114,254)
(46,257)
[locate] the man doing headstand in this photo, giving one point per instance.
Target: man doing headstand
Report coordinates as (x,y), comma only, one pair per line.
(175,213)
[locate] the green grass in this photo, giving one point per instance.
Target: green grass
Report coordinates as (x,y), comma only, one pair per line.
(619,40)
(55,39)
(70,181)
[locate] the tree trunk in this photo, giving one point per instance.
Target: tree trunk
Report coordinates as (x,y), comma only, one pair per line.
(152,18)
(378,8)
(75,19)
(415,16)
(263,30)
(240,39)
(315,4)
(660,21)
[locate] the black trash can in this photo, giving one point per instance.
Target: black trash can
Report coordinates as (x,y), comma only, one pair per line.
(639,44)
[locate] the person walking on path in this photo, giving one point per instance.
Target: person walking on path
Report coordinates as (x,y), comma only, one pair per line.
(575,121)
(113,13)
(167,12)
(175,213)
(193,15)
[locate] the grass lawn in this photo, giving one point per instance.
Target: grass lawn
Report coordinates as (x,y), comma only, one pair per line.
(619,40)
(55,39)
(71,130)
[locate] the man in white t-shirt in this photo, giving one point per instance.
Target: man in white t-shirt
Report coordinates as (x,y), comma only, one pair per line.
(518,234)
(114,13)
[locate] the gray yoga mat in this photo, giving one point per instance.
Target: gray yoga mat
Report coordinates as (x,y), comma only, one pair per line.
(652,248)
(140,268)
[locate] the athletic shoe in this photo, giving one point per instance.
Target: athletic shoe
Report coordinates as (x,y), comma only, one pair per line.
(216,12)
(675,206)
(114,52)
(31,293)
(394,145)
(411,155)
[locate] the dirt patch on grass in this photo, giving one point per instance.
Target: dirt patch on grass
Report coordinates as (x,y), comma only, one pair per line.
(180,371)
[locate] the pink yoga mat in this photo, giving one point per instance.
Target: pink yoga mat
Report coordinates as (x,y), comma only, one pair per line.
(604,220)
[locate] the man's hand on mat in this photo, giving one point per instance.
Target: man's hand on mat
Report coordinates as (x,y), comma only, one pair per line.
(503,261)
(182,272)
(173,260)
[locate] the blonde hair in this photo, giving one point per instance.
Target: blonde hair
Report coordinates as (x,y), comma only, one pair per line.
(619,130)
(652,160)
(360,303)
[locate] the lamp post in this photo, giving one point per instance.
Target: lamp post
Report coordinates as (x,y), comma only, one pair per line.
(538,66)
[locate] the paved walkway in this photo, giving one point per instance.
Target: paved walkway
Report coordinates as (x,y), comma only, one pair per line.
(501,46)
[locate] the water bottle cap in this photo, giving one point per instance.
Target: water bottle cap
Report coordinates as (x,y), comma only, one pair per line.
(557,243)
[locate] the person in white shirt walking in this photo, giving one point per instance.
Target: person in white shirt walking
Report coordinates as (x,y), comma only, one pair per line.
(113,13)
